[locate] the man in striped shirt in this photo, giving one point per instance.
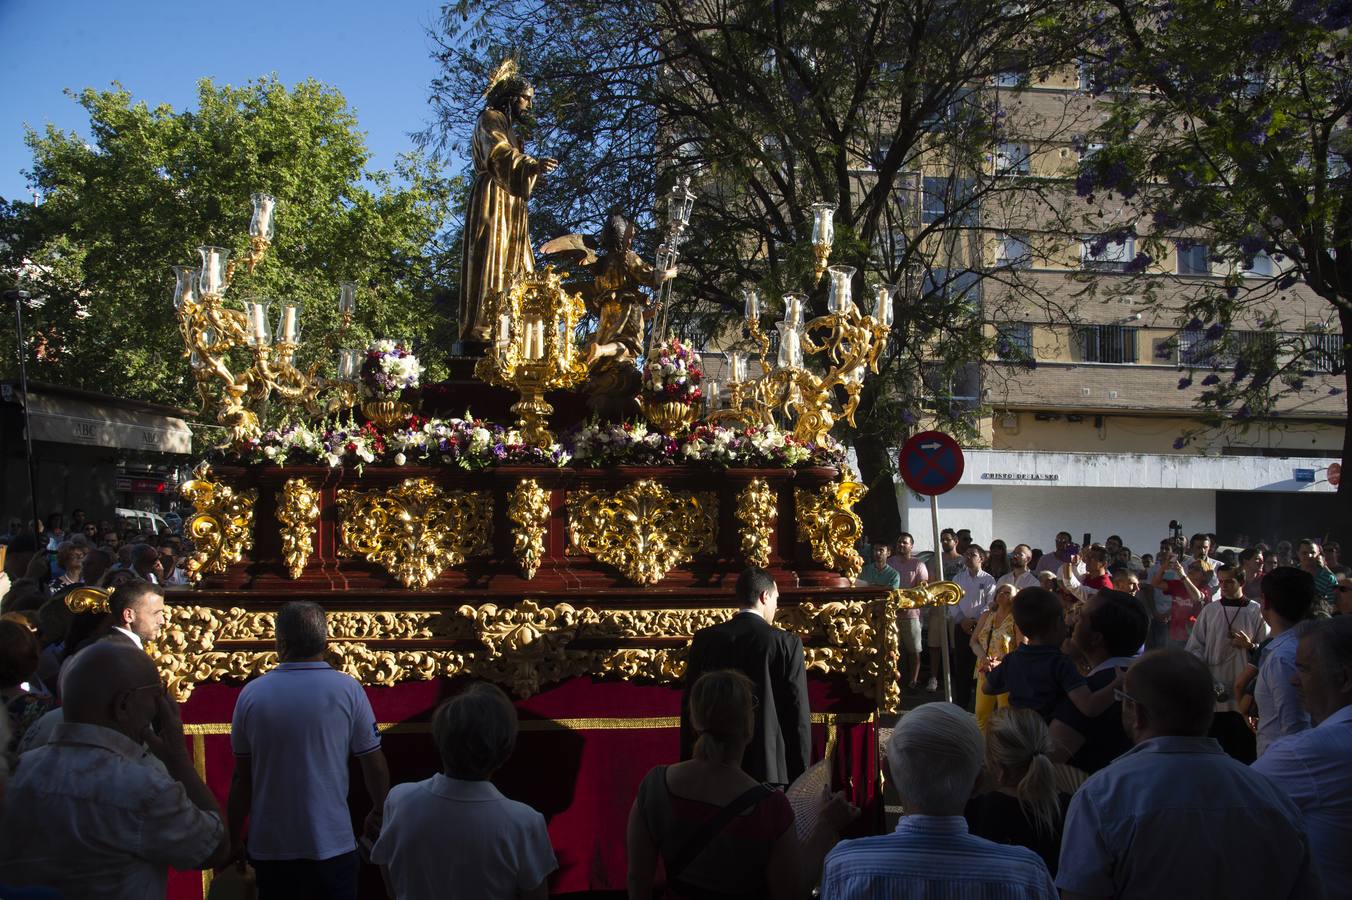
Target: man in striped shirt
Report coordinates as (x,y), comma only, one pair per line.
(935,755)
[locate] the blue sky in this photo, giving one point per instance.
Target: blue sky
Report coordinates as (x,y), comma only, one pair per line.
(376,54)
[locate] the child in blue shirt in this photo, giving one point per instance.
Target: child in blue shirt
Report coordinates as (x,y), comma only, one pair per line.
(1037,675)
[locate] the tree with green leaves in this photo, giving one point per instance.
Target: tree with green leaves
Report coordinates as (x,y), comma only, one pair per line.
(152,185)
(1226,141)
(892,109)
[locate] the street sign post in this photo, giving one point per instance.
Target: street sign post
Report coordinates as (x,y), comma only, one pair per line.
(931,463)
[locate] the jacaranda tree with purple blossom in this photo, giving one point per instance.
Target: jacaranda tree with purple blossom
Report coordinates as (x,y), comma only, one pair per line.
(1228,138)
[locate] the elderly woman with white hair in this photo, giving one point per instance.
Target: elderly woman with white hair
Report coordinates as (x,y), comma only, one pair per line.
(455,835)
(935,755)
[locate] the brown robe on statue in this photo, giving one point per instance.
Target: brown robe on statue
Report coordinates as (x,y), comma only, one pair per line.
(496,240)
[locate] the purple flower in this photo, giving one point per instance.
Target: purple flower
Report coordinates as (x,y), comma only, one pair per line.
(1184,382)
(1195,324)
(1215,331)
(1180,443)
(1211,379)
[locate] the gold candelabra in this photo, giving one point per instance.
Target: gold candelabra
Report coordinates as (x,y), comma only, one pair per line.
(532,349)
(211,331)
(848,343)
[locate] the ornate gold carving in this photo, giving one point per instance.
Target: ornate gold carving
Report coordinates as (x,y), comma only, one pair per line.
(827,522)
(528,510)
(416,530)
(527,646)
(87,599)
(643,530)
(757,510)
(297,510)
(221,529)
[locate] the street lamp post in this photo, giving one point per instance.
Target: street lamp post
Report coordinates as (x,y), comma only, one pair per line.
(18,297)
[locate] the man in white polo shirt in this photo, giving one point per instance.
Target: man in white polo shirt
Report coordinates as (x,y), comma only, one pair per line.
(292,733)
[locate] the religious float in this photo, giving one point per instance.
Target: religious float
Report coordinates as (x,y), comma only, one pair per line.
(564,540)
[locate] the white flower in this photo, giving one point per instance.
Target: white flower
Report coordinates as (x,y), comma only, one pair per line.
(400,459)
(333,459)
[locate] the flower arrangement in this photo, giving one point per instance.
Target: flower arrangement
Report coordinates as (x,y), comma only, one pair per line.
(672,374)
(473,444)
(388,369)
(467,443)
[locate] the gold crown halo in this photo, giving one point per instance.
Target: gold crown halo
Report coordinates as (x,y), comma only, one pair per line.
(506,69)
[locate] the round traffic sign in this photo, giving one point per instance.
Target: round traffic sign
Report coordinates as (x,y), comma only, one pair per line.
(931,463)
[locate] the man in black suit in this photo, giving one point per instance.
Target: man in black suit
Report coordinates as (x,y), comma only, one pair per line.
(773,660)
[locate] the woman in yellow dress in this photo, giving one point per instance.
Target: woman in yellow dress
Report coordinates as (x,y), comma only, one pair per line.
(994,636)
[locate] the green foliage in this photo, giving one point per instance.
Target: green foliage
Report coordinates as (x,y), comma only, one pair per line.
(152,185)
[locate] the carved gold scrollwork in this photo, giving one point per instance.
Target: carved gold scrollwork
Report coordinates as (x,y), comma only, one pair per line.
(826,521)
(528,510)
(87,599)
(643,530)
(757,510)
(297,510)
(416,530)
(527,646)
(221,529)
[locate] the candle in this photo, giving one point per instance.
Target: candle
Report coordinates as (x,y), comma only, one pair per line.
(349,364)
(823,224)
(261,223)
(752,305)
(793,309)
(883,304)
(288,325)
(712,399)
(539,339)
(504,330)
(213,269)
(347,298)
(790,354)
(185,278)
(838,299)
(258,323)
(736,366)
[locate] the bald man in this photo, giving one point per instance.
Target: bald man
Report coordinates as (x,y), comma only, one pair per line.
(1175,816)
(91,814)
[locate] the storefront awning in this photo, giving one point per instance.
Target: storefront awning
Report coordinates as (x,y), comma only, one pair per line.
(67,420)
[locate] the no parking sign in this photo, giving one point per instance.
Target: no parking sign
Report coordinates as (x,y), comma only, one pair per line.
(931,463)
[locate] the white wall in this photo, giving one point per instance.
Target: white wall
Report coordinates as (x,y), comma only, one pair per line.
(966,506)
(1033,515)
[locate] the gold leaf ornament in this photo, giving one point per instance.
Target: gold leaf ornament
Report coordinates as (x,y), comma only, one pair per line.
(415,530)
(644,530)
(528,510)
(827,522)
(297,510)
(221,528)
(757,510)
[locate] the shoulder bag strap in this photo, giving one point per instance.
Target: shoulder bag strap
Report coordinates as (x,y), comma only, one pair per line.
(710,829)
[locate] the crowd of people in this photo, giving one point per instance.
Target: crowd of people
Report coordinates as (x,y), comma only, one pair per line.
(1120,727)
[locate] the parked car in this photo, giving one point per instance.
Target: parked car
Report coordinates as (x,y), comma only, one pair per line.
(141,520)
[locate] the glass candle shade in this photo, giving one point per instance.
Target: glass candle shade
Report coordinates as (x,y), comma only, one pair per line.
(882,304)
(790,347)
(793,309)
(261,224)
(256,330)
(736,366)
(185,285)
(838,299)
(347,298)
(288,324)
(214,262)
(680,204)
(751,305)
(713,397)
(349,364)
(823,224)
